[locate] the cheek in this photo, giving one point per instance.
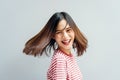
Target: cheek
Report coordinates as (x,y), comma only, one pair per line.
(72,35)
(57,38)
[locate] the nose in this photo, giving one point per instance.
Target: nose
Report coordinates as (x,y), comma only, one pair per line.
(65,35)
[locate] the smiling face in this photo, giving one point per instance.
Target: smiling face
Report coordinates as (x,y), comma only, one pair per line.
(64,36)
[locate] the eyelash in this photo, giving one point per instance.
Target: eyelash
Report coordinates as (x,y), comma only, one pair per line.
(68,30)
(58,32)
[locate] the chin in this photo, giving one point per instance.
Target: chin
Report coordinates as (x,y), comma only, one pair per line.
(67,47)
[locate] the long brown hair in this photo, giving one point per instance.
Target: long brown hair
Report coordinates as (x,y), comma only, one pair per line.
(43,41)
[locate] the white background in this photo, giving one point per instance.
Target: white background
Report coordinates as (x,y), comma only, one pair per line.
(99,20)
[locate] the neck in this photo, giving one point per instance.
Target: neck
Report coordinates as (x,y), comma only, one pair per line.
(66,51)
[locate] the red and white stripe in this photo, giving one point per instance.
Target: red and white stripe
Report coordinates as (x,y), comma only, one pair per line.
(63,67)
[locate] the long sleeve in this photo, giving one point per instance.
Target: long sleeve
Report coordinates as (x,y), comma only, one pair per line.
(57,70)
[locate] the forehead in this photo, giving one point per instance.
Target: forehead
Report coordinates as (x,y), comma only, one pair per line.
(62,25)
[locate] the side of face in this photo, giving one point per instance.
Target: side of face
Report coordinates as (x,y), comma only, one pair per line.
(64,35)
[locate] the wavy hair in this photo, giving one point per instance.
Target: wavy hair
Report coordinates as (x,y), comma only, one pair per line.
(43,41)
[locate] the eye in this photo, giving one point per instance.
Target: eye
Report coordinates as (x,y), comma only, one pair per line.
(58,32)
(68,30)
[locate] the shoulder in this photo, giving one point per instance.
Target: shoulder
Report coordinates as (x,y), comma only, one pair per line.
(58,56)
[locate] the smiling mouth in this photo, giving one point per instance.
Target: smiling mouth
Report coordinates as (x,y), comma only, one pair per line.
(66,42)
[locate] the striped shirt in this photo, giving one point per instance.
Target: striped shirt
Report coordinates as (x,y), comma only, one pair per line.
(63,67)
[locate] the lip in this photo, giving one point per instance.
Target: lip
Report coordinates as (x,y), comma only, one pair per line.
(66,42)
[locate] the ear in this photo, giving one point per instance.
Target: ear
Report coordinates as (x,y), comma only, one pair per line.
(74,44)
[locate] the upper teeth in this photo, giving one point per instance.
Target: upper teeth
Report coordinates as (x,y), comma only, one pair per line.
(66,41)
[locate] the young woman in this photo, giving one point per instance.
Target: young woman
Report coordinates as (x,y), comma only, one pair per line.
(60,34)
